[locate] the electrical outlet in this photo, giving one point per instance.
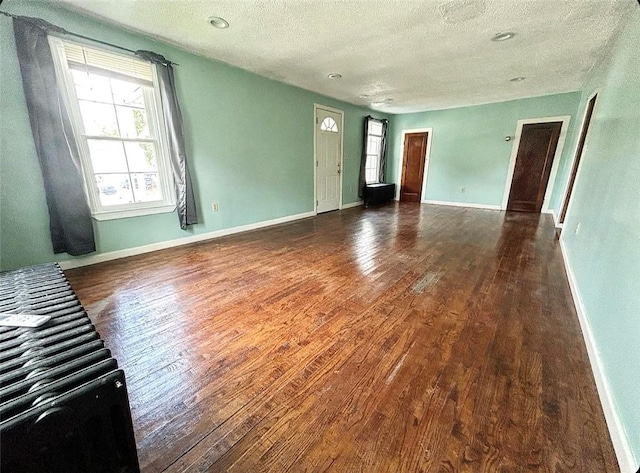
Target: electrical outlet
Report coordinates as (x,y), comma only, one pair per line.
(214,206)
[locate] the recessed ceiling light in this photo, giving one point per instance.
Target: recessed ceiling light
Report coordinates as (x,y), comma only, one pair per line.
(364,96)
(218,22)
(334,75)
(517,79)
(503,36)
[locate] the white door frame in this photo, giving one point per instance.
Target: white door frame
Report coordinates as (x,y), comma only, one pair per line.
(427,153)
(316,106)
(556,158)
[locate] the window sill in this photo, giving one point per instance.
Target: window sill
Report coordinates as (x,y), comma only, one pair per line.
(116,214)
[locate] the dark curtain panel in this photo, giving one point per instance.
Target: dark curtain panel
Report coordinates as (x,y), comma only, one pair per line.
(363,161)
(383,150)
(175,136)
(69,214)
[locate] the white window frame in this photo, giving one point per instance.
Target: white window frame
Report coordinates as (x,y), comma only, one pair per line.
(379,154)
(153,108)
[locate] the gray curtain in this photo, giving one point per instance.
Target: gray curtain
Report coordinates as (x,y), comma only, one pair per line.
(383,151)
(69,214)
(187,212)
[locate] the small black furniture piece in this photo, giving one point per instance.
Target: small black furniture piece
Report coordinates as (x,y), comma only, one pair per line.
(63,401)
(379,193)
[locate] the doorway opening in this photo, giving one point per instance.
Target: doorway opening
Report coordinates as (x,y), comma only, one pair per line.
(413,170)
(534,164)
(578,156)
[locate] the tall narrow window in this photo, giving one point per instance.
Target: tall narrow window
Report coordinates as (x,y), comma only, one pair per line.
(115,110)
(374,152)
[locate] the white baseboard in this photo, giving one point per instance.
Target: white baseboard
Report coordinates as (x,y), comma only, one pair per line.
(619,438)
(555,217)
(138,250)
(462,204)
(352,204)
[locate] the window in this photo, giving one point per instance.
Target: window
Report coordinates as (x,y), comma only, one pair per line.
(329,124)
(117,122)
(374,152)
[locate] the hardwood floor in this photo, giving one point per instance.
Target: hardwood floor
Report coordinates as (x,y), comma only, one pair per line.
(394,339)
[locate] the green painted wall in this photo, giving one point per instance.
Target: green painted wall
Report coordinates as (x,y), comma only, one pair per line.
(249,140)
(605,253)
(468,146)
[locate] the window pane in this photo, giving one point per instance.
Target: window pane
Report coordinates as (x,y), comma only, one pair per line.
(127,93)
(371,169)
(146,186)
(91,86)
(133,122)
(141,157)
(375,128)
(107,156)
(99,119)
(115,189)
(373,145)
(370,176)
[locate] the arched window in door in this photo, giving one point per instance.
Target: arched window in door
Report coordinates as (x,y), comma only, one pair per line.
(329,124)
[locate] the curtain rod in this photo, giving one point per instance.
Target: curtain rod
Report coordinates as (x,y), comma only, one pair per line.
(64,31)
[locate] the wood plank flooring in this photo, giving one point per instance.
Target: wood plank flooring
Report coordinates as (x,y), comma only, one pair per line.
(403,338)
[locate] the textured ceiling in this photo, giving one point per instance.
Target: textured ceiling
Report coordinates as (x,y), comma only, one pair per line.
(422,54)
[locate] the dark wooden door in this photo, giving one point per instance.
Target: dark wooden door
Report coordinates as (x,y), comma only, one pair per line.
(415,148)
(538,144)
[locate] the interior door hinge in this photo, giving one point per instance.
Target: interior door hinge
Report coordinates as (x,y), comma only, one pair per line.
(316,120)
(317,163)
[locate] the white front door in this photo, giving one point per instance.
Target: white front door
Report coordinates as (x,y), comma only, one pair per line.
(328,156)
